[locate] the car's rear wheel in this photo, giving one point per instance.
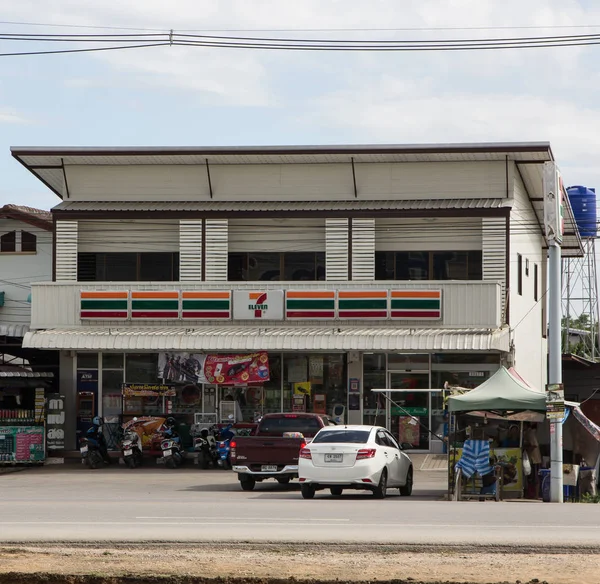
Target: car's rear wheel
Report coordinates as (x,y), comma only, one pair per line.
(247,483)
(308,491)
(336,491)
(406,490)
(380,490)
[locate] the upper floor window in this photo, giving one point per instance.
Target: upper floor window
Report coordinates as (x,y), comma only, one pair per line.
(9,242)
(128,267)
(428,265)
(276,266)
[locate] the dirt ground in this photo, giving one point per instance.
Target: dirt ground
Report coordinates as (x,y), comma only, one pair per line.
(302,563)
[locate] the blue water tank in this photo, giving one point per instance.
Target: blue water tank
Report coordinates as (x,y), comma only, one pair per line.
(583,203)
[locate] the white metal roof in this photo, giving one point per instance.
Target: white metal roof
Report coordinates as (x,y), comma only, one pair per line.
(258,206)
(26,374)
(269,338)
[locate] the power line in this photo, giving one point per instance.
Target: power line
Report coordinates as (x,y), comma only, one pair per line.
(95,49)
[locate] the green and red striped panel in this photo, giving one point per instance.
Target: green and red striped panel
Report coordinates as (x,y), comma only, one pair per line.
(363,304)
(104,305)
(416,304)
(146,305)
(206,305)
(309,304)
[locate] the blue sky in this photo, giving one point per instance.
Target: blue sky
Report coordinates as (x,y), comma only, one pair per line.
(194,96)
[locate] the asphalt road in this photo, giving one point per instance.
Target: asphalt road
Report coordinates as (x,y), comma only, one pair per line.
(71,503)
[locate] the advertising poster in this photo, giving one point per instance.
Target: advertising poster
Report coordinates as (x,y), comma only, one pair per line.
(303,388)
(147,428)
(408,430)
(220,369)
(147,390)
(555,402)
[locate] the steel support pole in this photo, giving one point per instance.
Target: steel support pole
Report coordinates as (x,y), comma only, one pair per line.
(555,368)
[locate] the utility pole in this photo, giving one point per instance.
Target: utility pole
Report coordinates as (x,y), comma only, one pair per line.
(555,368)
(554,227)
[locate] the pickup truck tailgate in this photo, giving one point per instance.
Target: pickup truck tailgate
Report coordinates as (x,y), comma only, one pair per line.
(255,451)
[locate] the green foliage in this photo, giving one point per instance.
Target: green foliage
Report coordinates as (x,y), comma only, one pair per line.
(587,498)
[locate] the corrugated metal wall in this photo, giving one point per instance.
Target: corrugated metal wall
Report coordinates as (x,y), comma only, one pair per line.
(276,235)
(139,235)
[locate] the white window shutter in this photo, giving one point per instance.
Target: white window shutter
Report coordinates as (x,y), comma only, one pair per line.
(66,251)
(494,253)
(190,251)
(363,249)
(216,236)
(336,244)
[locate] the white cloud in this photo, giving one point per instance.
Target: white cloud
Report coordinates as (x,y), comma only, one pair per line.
(10,116)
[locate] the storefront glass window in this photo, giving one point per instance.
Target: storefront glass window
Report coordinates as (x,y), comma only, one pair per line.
(314,382)
(112,360)
(87,360)
(374,377)
(141,367)
(408,361)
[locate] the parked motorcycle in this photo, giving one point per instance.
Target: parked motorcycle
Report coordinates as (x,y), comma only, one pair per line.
(93,447)
(171,445)
(224,447)
(131,449)
(206,446)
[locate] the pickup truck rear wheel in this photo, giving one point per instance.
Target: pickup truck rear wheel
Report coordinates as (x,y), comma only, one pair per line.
(247,483)
(308,491)
(283,480)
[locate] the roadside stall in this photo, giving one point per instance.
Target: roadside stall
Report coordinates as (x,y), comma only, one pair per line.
(22,415)
(486,437)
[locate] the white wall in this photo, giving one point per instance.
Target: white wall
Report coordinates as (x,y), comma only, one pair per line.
(18,270)
(261,235)
(434,234)
(294,182)
(128,235)
(525,313)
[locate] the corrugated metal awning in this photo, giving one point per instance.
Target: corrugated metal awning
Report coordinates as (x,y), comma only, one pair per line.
(262,206)
(298,338)
(26,374)
(13,330)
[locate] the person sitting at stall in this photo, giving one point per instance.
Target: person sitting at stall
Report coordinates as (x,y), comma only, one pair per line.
(512,438)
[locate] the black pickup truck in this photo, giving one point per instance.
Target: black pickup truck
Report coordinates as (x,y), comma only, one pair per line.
(272,451)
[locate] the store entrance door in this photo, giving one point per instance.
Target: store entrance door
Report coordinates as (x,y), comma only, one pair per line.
(413,403)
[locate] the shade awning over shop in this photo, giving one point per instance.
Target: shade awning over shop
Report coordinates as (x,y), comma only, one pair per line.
(501,392)
(301,338)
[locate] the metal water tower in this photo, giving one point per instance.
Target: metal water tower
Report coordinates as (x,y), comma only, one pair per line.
(580,283)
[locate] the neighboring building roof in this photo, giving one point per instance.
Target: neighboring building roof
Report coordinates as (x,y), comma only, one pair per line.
(323,338)
(25,374)
(32,216)
(276,206)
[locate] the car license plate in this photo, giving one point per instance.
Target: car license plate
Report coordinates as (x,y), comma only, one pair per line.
(128,452)
(268,468)
(166,453)
(334,458)
(83,449)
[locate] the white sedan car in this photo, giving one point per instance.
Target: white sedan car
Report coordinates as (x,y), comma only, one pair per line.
(354,457)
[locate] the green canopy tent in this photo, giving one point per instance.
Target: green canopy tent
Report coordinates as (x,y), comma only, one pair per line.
(502,392)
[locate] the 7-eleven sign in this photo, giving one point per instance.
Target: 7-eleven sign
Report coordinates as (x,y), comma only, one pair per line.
(258,304)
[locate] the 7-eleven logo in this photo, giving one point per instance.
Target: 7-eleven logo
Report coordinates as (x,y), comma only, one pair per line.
(260,303)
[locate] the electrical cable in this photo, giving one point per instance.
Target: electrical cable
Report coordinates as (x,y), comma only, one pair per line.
(95,49)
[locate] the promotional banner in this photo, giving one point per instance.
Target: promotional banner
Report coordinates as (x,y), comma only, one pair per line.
(55,422)
(147,389)
(147,428)
(219,369)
